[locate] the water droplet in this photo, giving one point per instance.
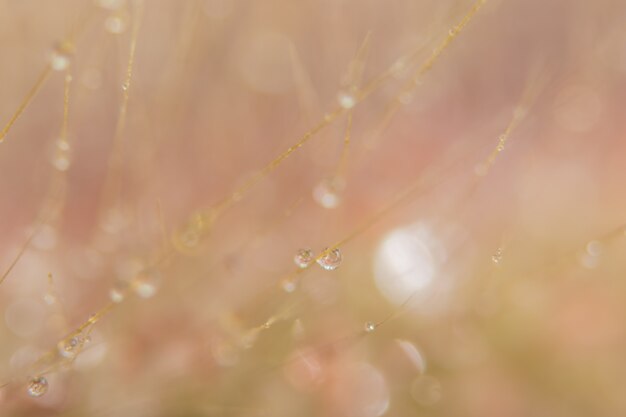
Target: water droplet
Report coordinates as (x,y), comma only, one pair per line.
(452,31)
(37,386)
(63,144)
(118,292)
(125,87)
(49,299)
(369,326)
(501,142)
(289,285)
(114,25)
(398,67)
(60,56)
(346,100)
(303,258)
(590,260)
(594,248)
(146,283)
(70,347)
(331,260)
(189,236)
(497,256)
(115,219)
(61,161)
(326,193)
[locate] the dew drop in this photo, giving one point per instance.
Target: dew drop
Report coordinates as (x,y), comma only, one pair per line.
(594,248)
(288,285)
(49,299)
(61,161)
(331,260)
(125,86)
(37,386)
(398,67)
(346,100)
(497,256)
(146,283)
(326,193)
(118,292)
(303,258)
(114,25)
(70,347)
(60,56)
(369,326)
(63,144)
(187,238)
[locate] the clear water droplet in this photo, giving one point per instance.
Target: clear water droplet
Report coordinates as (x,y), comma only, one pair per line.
(399,67)
(326,193)
(61,161)
(303,258)
(187,238)
(369,327)
(288,285)
(497,256)
(117,293)
(60,56)
(37,386)
(49,299)
(346,100)
(70,347)
(63,144)
(146,283)
(125,87)
(115,25)
(594,248)
(331,260)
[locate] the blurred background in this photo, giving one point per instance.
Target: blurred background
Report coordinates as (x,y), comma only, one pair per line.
(163,256)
